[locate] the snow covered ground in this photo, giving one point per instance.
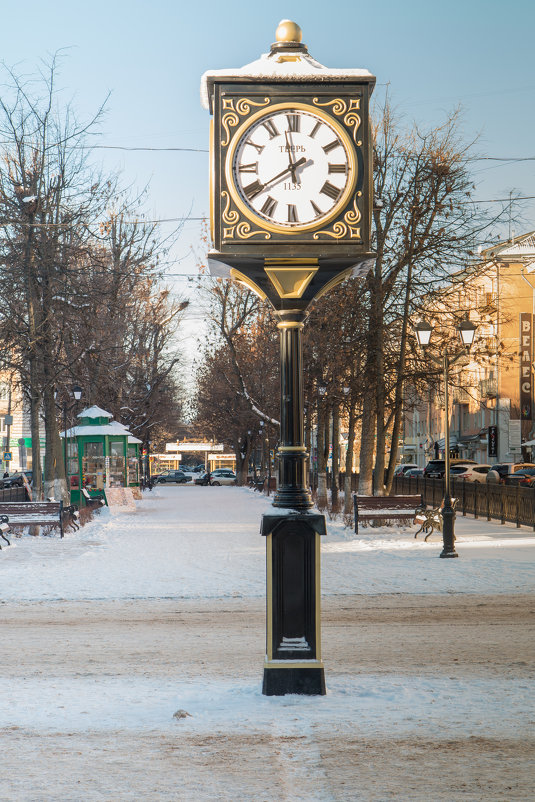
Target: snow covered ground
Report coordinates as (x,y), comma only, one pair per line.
(204,542)
(109,631)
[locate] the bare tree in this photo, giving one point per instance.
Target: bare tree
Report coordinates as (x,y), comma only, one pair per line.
(425,226)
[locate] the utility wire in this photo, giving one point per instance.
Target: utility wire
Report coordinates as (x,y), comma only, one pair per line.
(206,150)
(165,150)
(201,219)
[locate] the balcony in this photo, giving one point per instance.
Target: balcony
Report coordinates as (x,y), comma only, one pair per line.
(488,388)
(461,395)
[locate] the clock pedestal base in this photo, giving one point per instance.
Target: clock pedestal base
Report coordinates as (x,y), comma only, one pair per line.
(293,638)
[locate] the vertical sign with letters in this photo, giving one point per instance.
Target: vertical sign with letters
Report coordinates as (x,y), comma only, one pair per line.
(492,449)
(526,340)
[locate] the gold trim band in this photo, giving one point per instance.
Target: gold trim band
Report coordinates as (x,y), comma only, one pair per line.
(314,112)
(290,324)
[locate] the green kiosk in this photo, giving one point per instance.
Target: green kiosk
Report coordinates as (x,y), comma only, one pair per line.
(101,454)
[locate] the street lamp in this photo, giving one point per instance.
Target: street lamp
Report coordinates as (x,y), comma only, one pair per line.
(76,394)
(466,331)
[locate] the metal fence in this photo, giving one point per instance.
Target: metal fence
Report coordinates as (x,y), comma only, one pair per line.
(490,501)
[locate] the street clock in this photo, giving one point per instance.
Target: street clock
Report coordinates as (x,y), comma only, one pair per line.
(291,174)
(291,197)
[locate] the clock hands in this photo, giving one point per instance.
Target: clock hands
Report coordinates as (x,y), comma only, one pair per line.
(290,156)
(257,187)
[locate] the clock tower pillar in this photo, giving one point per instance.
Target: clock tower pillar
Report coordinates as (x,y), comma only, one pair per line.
(291,200)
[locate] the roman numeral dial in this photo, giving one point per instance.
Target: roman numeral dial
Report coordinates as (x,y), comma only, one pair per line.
(292,169)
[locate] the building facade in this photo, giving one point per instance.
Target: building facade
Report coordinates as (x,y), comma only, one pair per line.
(492,405)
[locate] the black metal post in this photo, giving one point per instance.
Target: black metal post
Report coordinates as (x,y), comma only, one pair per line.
(293,492)
(293,638)
(448,513)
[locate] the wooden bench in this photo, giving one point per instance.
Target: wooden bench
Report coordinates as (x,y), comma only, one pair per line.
(4,527)
(385,508)
(93,501)
(431,520)
(38,513)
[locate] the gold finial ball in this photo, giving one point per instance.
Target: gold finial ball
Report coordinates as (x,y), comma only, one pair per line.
(288,31)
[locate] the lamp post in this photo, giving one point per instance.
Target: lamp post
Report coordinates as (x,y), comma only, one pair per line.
(77,394)
(466,331)
(146,460)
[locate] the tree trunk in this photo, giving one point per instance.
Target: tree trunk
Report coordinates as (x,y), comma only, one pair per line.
(336,456)
(398,396)
(322,462)
(33,335)
(348,495)
(366,444)
(308,446)
(379,372)
(55,484)
(35,406)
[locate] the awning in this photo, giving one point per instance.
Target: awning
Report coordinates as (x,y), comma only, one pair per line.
(472,436)
(453,441)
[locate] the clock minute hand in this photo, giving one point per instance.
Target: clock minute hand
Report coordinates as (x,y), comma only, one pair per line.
(291,159)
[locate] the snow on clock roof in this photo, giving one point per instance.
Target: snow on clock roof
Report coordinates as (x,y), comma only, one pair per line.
(287,61)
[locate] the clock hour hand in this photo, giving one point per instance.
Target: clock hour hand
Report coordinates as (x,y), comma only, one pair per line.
(256,187)
(289,169)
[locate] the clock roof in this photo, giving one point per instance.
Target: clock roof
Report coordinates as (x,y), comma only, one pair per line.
(287,61)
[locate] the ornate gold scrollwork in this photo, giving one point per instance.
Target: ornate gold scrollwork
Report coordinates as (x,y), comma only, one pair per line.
(232,217)
(339,106)
(353,216)
(347,226)
(232,117)
(353,119)
(230,120)
(244,104)
(243,230)
(339,230)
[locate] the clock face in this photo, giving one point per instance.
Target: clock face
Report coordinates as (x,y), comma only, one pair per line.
(293,168)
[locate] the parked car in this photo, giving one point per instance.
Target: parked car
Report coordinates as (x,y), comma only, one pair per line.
(179,477)
(204,479)
(436,468)
(401,470)
(525,477)
(223,476)
(500,470)
(193,468)
(471,473)
(414,472)
(15,480)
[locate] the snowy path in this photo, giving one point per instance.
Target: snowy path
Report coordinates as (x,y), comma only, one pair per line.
(196,542)
(105,634)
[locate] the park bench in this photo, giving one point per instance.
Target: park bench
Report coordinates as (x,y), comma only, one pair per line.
(399,509)
(430,520)
(93,501)
(38,513)
(4,527)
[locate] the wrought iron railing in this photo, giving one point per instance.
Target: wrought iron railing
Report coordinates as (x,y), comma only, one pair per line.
(491,501)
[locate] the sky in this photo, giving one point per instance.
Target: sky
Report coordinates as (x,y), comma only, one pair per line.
(150,57)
